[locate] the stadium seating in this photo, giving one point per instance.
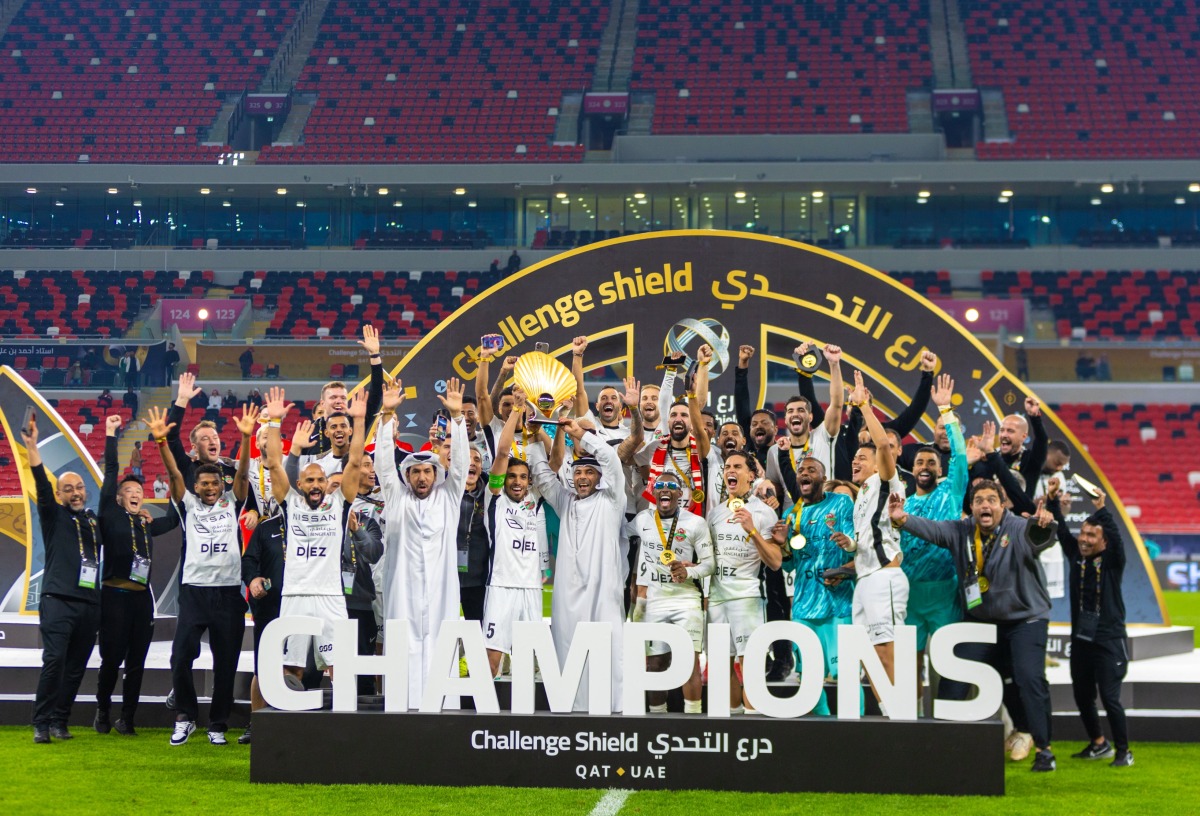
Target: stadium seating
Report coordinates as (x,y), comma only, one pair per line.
(1147,452)
(1141,304)
(823,66)
(33,301)
(137,82)
(444,81)
(1092,79)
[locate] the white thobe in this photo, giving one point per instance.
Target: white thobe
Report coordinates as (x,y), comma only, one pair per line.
(589,575)
(421,553)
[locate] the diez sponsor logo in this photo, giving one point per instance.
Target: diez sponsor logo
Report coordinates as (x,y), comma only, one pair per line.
(525,546)
(214,547)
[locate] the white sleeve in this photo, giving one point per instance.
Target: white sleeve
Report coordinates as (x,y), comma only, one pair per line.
(610,463)
(385,463)
(460,456)
(666,397)
(546,482)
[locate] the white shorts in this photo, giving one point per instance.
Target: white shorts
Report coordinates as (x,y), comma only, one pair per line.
(881,603)
(743,615)
(687,614)
(501,607)
(328,608)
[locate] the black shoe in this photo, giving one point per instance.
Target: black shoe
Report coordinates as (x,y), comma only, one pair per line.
(60,732)
(125,728)
(1124,759)
(1044,761)
(41,734)
(779,671)
(1094,751)
(244,739)
(103,726)
(170,701)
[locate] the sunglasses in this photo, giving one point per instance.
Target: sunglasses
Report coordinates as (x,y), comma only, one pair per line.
(667,484)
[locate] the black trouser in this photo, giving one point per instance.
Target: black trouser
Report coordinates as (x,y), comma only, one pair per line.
(221,611)
(471,599)
(367,634)
(635,550)
(1100,665)
(1019,654)
(126,629)
(68,629)
(779,607)
(264,611)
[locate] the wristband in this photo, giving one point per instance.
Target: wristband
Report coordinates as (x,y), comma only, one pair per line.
(275,423)
(160,440)
(944,409)
(496,481)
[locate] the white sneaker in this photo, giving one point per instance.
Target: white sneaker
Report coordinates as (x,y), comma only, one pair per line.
(183,730)
(217,738)
(1022,746)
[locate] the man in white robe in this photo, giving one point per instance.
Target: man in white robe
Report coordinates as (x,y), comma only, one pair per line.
(421,506)
(589,575)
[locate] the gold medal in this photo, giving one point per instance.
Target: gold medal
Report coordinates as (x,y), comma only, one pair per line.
(697,495)
(736,504)
(797,542)
(983,583)
(667,557)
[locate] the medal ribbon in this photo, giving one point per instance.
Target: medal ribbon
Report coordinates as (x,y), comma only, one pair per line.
(658,463)
(666,537)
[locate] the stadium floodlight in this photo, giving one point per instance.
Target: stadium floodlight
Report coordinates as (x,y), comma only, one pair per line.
(31,190)
(1194,188)
(924,194)
(205,191)
(971,314)
(383,190)
(1106,188)
(281,191)
(113,191)
(202,314)
(818,194)
(1006,193)
(1181,200)
(460,190)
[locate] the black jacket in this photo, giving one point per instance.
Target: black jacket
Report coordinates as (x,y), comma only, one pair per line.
(263,558)
(63,535)
(472,534)
(1108,566)
(119,528)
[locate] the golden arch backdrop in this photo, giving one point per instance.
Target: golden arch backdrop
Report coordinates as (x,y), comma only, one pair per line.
(627,294)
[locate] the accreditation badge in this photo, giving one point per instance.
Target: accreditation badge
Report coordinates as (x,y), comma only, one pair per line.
(140,571)
(974,597)
(87,574)
(348,581)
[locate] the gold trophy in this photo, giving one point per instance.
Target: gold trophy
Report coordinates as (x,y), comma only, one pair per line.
(547,384)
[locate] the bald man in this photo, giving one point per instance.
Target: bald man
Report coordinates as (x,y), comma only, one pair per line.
(69,610)
(1025,459)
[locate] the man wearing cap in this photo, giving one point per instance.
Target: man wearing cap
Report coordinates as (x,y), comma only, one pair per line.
(422,500)
(590,570)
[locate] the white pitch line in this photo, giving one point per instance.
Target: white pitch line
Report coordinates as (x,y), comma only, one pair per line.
(610,803)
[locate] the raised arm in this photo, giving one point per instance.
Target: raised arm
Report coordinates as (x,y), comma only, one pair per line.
(941,533)
(352,472)
(247,424)
(460,446)
(741,388)
(370,342)
(884,458)
(301,441)
(46,501)
(1040,528)
(156,419)
(277,407)
(837,393)
(1000,471)
(385,443)
(578,347)
(545,480)
(805,387)
(1033,460)
(506,368)
(112,465)
(606,456)
(666,395)
(911,415)
(943,395)
(1055,498)
(504,445)
(698,400)
(483,399)
(637,436)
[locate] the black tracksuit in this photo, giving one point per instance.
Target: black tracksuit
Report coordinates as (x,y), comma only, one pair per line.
(1098,659)
(68,614)
(127,607)
(473,539)
(263,558)
(368,549)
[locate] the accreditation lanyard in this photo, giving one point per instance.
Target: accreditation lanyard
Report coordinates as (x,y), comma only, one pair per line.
(793,519)
(87,565)
(796,460)
(1087,623)
(140,569)
(464,537)
(348,575)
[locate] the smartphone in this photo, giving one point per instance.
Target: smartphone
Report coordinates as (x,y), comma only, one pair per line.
(544,348)
(443,426)
(28,419)
(491,343)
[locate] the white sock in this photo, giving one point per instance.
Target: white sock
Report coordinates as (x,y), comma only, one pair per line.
(658,709)
(693,707)
(750,711)
(738,710)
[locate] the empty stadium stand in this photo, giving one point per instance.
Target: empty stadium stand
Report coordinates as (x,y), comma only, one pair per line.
(444,82)
(129,82)
(1091,78)
(822,66)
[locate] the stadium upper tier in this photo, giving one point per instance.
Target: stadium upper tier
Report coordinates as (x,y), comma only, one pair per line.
(1145,450)
(494,81)
(128,82)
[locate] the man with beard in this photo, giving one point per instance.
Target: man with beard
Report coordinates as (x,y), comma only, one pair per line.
(1027,461)
(422,501)
(806,537)
(331,408)
(932,582)
(730,439)
(69,613)
(881,587)
(803,438)
(520,555)
(741,530)
(210,578)
(478,440)
(676,554)
(205,438)
(996,555)
(473,544)
(316,575)
(683,452)
(126,603)
(590,569)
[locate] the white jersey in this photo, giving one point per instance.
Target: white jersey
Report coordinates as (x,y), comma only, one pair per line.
(212,551)
(520,550)
(878,541)
(330,463)
(738,561)
(820,446)
(688,537)
(312,562)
